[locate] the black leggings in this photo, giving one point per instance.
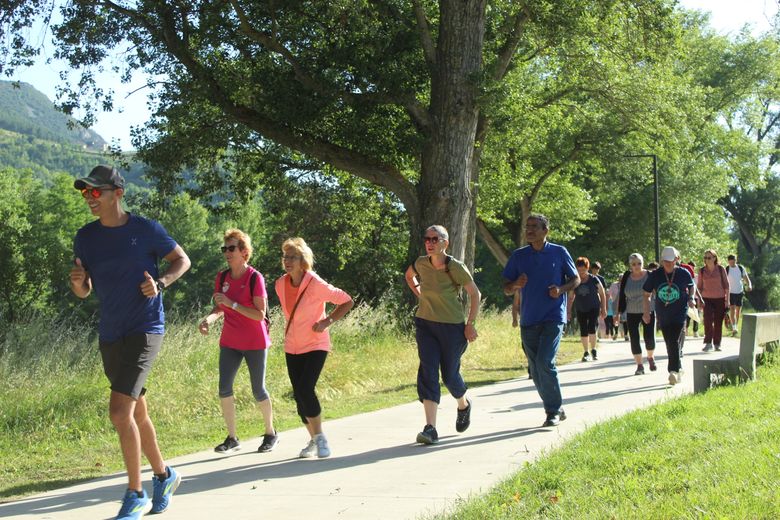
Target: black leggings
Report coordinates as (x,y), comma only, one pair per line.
(612,329)
(648,332)
(304,371)
(589,322)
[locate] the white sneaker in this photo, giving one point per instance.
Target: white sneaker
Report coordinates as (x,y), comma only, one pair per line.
(673,378)
(309,450)
(323,451)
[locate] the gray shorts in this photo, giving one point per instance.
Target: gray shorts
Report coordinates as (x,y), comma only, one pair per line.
(127,362)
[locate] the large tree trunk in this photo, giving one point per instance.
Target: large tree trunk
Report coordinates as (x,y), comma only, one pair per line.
(445,194)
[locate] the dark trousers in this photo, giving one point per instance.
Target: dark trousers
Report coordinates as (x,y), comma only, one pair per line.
(439,347)
(648,332)
(674,335)
(714,312)
(304,371)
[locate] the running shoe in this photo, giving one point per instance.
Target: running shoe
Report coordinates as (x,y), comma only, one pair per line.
(554,419)
(585,357)
(464,418)
(309,450)
(594,355)
(228,445)
(133,505)
(164,489)
(323,450)
(640,370)
(429,435)
(707,347)
(651,362)
(270,440)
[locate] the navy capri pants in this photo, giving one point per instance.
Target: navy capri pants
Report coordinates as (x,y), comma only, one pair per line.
(439,346)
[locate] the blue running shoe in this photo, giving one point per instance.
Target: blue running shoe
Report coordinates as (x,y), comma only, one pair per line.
(133,505)
(163,490)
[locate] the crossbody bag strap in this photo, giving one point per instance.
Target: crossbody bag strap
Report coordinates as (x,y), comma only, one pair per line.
(295,307)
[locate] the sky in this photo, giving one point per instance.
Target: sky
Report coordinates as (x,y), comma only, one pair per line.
(727,17)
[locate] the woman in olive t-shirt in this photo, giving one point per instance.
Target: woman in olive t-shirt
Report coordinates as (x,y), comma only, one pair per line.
(442,330)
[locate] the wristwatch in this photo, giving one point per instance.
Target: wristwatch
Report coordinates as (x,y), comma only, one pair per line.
(160,285)
(234,306)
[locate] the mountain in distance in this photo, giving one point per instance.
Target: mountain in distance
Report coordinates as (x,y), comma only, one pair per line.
(25,110)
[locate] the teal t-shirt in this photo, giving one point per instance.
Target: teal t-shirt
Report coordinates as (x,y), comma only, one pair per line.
(438,296)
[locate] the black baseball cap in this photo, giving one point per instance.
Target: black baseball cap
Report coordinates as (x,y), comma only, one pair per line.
(101,176)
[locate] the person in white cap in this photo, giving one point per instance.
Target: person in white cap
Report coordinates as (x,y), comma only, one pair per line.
(674,293)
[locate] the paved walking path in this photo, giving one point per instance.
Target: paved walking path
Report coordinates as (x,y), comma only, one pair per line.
(376,470)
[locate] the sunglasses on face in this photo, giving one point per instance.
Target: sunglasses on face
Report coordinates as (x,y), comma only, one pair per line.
(95,193)
(432,240)
(228,248)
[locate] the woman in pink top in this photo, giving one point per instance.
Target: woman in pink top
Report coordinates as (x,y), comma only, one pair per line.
(240,296)
(713,284)
(303,295)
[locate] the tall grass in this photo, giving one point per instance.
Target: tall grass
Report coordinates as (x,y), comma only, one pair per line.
(54,426)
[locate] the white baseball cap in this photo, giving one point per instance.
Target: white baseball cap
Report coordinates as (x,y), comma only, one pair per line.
(669,254)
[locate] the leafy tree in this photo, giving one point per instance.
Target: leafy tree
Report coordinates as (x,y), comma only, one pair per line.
(390,92)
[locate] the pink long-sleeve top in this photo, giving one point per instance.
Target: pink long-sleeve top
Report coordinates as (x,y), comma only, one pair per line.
(313,293)
(713,284)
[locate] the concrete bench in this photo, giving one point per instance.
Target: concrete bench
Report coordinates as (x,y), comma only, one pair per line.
(759,330)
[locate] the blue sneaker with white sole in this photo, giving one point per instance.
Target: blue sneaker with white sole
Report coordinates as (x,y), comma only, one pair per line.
(134,505)
(163,490)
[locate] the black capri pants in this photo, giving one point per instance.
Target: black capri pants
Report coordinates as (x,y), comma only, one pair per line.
(589,322)
(648,332)
(304,372)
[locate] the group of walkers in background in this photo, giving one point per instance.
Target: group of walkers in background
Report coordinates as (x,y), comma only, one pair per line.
(118,256)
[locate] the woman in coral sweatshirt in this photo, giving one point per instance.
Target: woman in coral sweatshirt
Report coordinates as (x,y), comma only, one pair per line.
(303,295)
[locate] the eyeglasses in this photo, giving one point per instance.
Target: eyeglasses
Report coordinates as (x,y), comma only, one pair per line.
(228,248)
(95,193)
(290,258)
(432,240)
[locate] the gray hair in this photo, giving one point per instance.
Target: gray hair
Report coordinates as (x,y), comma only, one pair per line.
(636,256)
(439,230)
(544,221)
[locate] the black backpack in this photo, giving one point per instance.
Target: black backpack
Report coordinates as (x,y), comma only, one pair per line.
(252,281)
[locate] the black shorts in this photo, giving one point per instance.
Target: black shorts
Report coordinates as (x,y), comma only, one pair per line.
(735,299)
(127,362)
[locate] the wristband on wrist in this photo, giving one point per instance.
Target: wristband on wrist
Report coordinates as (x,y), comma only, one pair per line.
(234,306)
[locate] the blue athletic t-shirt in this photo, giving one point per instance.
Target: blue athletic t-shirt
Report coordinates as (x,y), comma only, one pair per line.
(552,265)
(671,299)
(116,258)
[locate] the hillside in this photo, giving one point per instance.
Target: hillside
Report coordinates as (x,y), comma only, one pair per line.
(26,111)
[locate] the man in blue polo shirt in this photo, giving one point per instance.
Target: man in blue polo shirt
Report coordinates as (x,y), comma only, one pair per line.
(117,256)
(545,273)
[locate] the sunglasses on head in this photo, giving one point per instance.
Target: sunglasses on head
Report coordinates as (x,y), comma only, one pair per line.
(432,240)
(93,192)
(228,248)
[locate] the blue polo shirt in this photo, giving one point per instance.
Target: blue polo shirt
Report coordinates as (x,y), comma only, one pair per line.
(116,258)
(552,265)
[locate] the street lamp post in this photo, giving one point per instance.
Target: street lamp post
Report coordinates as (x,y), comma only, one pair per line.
(656,211)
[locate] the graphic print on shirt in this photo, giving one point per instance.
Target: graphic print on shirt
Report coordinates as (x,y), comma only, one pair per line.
(668,293)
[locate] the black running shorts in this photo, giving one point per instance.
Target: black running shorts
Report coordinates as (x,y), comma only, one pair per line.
(127,362)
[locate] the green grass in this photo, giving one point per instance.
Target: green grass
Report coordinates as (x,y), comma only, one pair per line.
(713,455)
(54,426)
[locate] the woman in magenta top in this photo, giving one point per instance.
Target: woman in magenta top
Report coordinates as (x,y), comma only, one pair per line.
(241,298)
(713,284)
(303,295)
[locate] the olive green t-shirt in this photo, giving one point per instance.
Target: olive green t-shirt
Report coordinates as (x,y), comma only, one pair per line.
(438,296)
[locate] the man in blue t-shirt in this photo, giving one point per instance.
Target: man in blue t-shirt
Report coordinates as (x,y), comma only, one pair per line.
(545,273)
(117,256)
(674,293)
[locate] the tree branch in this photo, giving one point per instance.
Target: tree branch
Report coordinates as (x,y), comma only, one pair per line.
(507,51)
(424,31)
(500,253)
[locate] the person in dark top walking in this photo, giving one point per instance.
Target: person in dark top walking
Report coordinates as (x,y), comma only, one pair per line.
(674,293)
(590,302)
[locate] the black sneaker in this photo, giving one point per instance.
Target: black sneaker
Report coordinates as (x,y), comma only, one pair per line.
(651,362)
(585,357)
(464,418)
(429,435)
(594,355)
(640,370)
(554,419)
(269,441)
(228,445)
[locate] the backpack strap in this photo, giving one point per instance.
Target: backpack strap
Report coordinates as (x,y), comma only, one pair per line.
(416,272)
(295,307)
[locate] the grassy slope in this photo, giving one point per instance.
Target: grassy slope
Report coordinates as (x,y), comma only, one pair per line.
(715,455)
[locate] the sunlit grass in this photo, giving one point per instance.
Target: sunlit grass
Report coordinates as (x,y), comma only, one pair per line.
(54,425)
